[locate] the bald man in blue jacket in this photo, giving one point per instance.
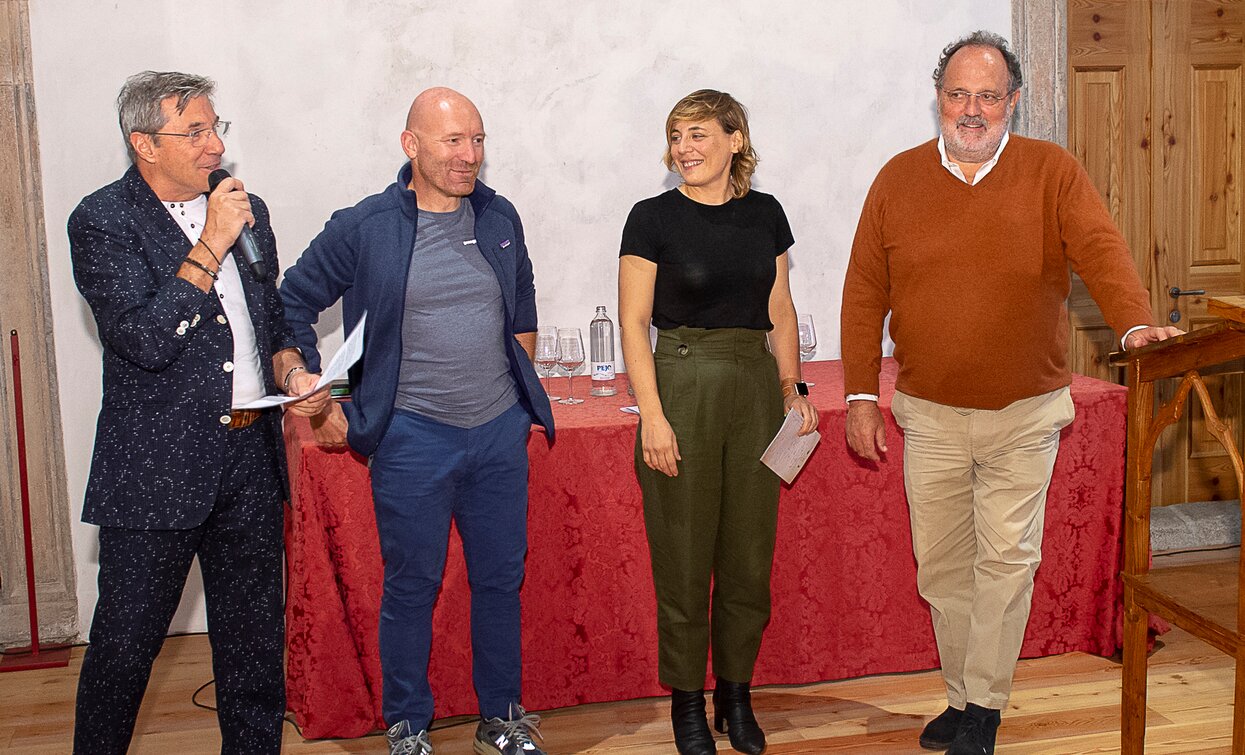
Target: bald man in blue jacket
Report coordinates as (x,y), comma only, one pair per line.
(443,402)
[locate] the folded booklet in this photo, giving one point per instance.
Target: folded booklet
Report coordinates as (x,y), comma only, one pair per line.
(788,451)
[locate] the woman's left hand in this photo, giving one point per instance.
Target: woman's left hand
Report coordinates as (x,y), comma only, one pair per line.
(801,404)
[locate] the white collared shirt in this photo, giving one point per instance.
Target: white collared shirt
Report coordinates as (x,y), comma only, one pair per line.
(982,172)
(248,377)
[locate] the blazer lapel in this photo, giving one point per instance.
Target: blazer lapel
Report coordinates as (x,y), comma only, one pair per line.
(167,236)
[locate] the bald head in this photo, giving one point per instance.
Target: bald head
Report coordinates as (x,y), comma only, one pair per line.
(435,102)
(444,139)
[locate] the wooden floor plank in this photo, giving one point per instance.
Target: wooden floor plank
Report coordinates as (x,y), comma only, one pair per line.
(1063,705)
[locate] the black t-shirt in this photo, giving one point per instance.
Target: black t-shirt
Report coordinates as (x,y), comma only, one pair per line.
(715,263)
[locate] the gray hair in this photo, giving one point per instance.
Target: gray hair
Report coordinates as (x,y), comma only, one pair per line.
(138,103)
(981,39)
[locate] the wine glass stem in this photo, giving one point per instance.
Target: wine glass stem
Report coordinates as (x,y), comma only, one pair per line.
(570,385)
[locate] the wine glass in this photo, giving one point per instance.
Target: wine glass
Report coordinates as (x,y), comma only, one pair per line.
(570,359)
(547,355)
(808,336)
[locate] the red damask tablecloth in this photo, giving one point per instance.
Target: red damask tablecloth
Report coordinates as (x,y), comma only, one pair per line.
(845,601)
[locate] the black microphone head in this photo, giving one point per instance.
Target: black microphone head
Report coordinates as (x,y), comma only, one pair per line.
(215,177)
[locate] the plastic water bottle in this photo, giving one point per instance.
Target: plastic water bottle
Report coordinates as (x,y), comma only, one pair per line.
(601,348)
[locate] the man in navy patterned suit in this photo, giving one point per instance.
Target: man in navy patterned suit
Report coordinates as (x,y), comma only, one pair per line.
(188,335)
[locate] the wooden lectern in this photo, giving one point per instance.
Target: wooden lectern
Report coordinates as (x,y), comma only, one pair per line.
(1149,590)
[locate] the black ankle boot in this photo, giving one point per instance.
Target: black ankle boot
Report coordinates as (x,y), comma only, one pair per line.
(732,715)
(691,731)
(976,732)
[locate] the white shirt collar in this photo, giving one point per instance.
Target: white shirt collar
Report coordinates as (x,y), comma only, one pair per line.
(985,168)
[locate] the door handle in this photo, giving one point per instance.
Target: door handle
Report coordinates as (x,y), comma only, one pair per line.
(1175,293)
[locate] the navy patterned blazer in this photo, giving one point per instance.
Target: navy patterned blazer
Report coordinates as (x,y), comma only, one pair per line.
(167,347)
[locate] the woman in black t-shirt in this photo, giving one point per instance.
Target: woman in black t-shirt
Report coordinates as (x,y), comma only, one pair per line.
(706,264)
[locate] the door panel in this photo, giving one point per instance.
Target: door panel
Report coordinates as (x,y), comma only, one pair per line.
(1169,175)
(1215,223)
(1108,89)
(1197,215)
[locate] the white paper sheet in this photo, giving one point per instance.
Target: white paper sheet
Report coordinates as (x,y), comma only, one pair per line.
(342,361)
(788,451)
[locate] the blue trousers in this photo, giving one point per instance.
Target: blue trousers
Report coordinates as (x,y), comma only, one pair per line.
(424,474)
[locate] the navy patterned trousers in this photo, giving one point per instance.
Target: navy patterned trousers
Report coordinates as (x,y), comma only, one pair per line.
(141,577)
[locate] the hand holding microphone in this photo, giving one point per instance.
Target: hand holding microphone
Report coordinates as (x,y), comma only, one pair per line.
(245,237)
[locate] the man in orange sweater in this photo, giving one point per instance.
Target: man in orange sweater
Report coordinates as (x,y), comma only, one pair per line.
(966,241)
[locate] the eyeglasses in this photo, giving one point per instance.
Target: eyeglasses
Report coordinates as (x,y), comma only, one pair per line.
(988,100)
(200,135)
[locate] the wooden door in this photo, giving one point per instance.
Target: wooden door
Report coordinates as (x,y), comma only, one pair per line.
(1155,115)
(1108,131)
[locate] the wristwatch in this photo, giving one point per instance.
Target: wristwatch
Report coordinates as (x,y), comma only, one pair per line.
(801,388)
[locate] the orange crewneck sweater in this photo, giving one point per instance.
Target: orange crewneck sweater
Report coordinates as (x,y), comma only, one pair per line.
(976,277)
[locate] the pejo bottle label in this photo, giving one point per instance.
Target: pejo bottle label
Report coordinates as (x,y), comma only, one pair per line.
(602,370)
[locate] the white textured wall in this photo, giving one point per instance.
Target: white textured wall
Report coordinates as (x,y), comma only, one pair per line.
(574,98)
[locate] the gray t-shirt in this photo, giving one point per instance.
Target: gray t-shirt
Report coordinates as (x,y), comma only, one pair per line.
(454,365)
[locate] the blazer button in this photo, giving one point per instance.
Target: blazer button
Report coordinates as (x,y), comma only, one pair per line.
(181,330)
(225,419)
(194,321)
(227,366)
(221,319)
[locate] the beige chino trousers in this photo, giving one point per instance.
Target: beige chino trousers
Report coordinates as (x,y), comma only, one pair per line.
(976,481)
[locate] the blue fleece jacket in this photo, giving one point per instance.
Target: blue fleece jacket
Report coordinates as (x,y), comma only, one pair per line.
(362,257)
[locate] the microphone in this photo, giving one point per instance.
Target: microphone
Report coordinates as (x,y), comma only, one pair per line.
(246,239)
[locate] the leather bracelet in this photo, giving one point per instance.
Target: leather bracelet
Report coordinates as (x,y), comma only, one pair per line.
(201,266)
(285,384)
(219,261)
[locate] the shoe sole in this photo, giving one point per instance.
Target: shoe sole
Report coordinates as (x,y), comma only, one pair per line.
(484,748)
(929,744)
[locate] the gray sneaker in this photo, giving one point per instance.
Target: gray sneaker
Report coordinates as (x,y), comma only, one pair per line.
(403,741)
(514,737)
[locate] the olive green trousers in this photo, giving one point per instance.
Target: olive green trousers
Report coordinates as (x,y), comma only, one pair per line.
(713,526)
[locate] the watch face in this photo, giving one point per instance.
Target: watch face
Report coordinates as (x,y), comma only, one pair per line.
(801,388)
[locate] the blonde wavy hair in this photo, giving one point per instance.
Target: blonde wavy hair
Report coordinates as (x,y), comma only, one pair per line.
(706,104)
